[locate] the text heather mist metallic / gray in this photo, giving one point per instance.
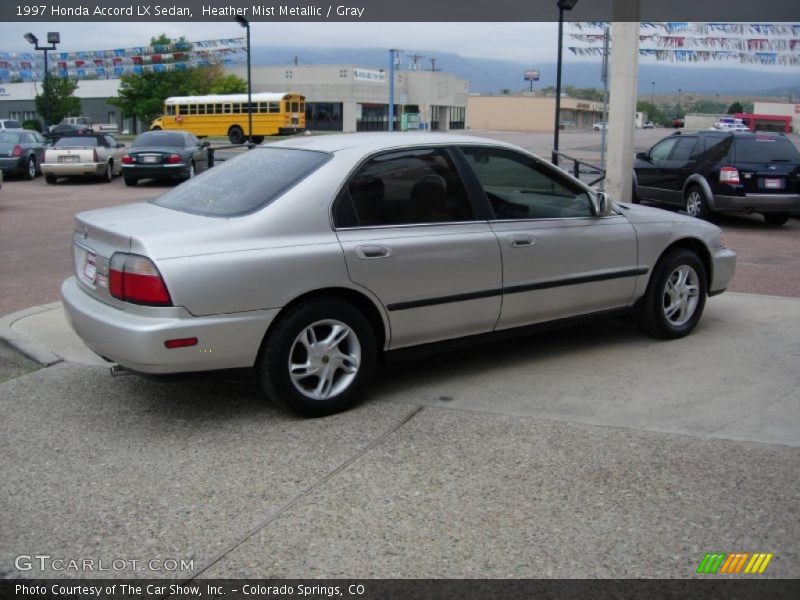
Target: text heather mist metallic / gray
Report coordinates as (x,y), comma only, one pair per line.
(396,240)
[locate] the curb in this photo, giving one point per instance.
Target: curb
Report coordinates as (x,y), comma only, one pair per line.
(22,343)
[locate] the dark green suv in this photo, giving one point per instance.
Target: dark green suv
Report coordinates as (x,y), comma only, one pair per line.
(707,172)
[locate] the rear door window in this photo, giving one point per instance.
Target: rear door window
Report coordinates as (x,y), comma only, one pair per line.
(416,186)
(684,149)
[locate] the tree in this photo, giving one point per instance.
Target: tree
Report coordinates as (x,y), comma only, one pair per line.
(735,108)
(142,94)
(59,102)
(655,114)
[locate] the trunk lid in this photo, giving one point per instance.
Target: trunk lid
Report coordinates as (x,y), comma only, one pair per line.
(144,229)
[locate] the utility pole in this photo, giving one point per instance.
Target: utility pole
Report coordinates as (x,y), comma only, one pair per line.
(433,64)
(392,54)
(414,60)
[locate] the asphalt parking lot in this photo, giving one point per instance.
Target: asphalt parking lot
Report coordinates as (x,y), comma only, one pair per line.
(590,452)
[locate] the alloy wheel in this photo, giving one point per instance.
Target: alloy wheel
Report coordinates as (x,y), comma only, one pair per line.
(681,295)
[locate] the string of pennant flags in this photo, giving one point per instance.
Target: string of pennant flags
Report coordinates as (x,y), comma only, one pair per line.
(108,64)
(769,44)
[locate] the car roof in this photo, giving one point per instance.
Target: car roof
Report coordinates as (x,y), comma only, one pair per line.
(375,141)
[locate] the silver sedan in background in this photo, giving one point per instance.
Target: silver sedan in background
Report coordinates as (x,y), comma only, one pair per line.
(310,258)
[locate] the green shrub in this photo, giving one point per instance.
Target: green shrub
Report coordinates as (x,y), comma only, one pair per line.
(33,124)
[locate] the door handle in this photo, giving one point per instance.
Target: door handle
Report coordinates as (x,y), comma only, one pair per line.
(368,252)
(521,241)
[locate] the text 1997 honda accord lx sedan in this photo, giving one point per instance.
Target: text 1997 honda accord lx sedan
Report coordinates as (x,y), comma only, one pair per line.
(308,259)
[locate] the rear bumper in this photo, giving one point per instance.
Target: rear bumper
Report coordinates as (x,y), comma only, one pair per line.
(156,171)
(758,202)
(73,169)
(136,341)
(13,165)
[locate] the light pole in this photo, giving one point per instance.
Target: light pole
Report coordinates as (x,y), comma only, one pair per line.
(562,6)
(680,109)
(653,93)
(246,24)
(392,54)
(53,38)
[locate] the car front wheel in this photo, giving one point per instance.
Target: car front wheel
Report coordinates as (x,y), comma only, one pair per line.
(676,295)
(318,358)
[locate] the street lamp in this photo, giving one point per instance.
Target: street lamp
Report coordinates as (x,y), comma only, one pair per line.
(53,38)
(562,6)
(246,24)
(653,94)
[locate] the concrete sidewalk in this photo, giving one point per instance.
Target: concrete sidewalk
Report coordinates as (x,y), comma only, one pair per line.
(589,452)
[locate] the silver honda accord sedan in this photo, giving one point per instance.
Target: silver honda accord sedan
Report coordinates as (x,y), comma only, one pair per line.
(309,259)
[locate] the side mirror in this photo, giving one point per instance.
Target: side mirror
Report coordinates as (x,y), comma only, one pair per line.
(643,156)
(601,204)
(205,144)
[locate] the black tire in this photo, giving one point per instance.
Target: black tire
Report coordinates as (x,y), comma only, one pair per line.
(50,178)
(283,345)
(258,139)
(108,175)
(659,318)
(190,171)
(131,181)
(30,168)
(696,204)
(236,135)
(776,218)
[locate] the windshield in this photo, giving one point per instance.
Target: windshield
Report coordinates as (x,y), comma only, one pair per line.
(244,184)
(159,138)
(65,142)
(764,149)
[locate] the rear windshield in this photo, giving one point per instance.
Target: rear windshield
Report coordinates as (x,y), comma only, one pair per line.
(159,138)
(71,142)
(10,138)
(244,184)
(765,149)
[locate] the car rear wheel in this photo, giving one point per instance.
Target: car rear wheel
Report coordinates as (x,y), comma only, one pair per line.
(131,181)
(30,168)
(236,135)
(676,295)
(696,204)
(108,175)
(50,178)
(318,358)
(776,218)
(190,172)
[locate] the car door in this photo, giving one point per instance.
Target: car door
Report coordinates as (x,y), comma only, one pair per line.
(676,169)
(413,237)
(650,174)
(559,259)
(199,153)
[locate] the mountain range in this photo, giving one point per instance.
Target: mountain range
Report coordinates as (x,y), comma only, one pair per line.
(487,76)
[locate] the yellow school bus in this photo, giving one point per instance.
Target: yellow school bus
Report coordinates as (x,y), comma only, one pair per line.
(274,113)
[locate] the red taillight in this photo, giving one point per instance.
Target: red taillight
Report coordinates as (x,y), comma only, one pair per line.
(17,151)
(126,159)
(136,279)
(174,158)
(729,175)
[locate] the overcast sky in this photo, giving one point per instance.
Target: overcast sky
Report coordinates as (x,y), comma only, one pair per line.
(525,42)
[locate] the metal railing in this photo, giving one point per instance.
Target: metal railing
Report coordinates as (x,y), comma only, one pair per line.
(589,168)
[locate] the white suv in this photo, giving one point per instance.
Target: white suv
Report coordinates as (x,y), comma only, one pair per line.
(9,124)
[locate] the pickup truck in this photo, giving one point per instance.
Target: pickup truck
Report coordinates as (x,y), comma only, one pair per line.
(86,121)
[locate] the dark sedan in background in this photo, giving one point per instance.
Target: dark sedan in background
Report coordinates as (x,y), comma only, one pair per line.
(164,155)
(21,152)
(67,130)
